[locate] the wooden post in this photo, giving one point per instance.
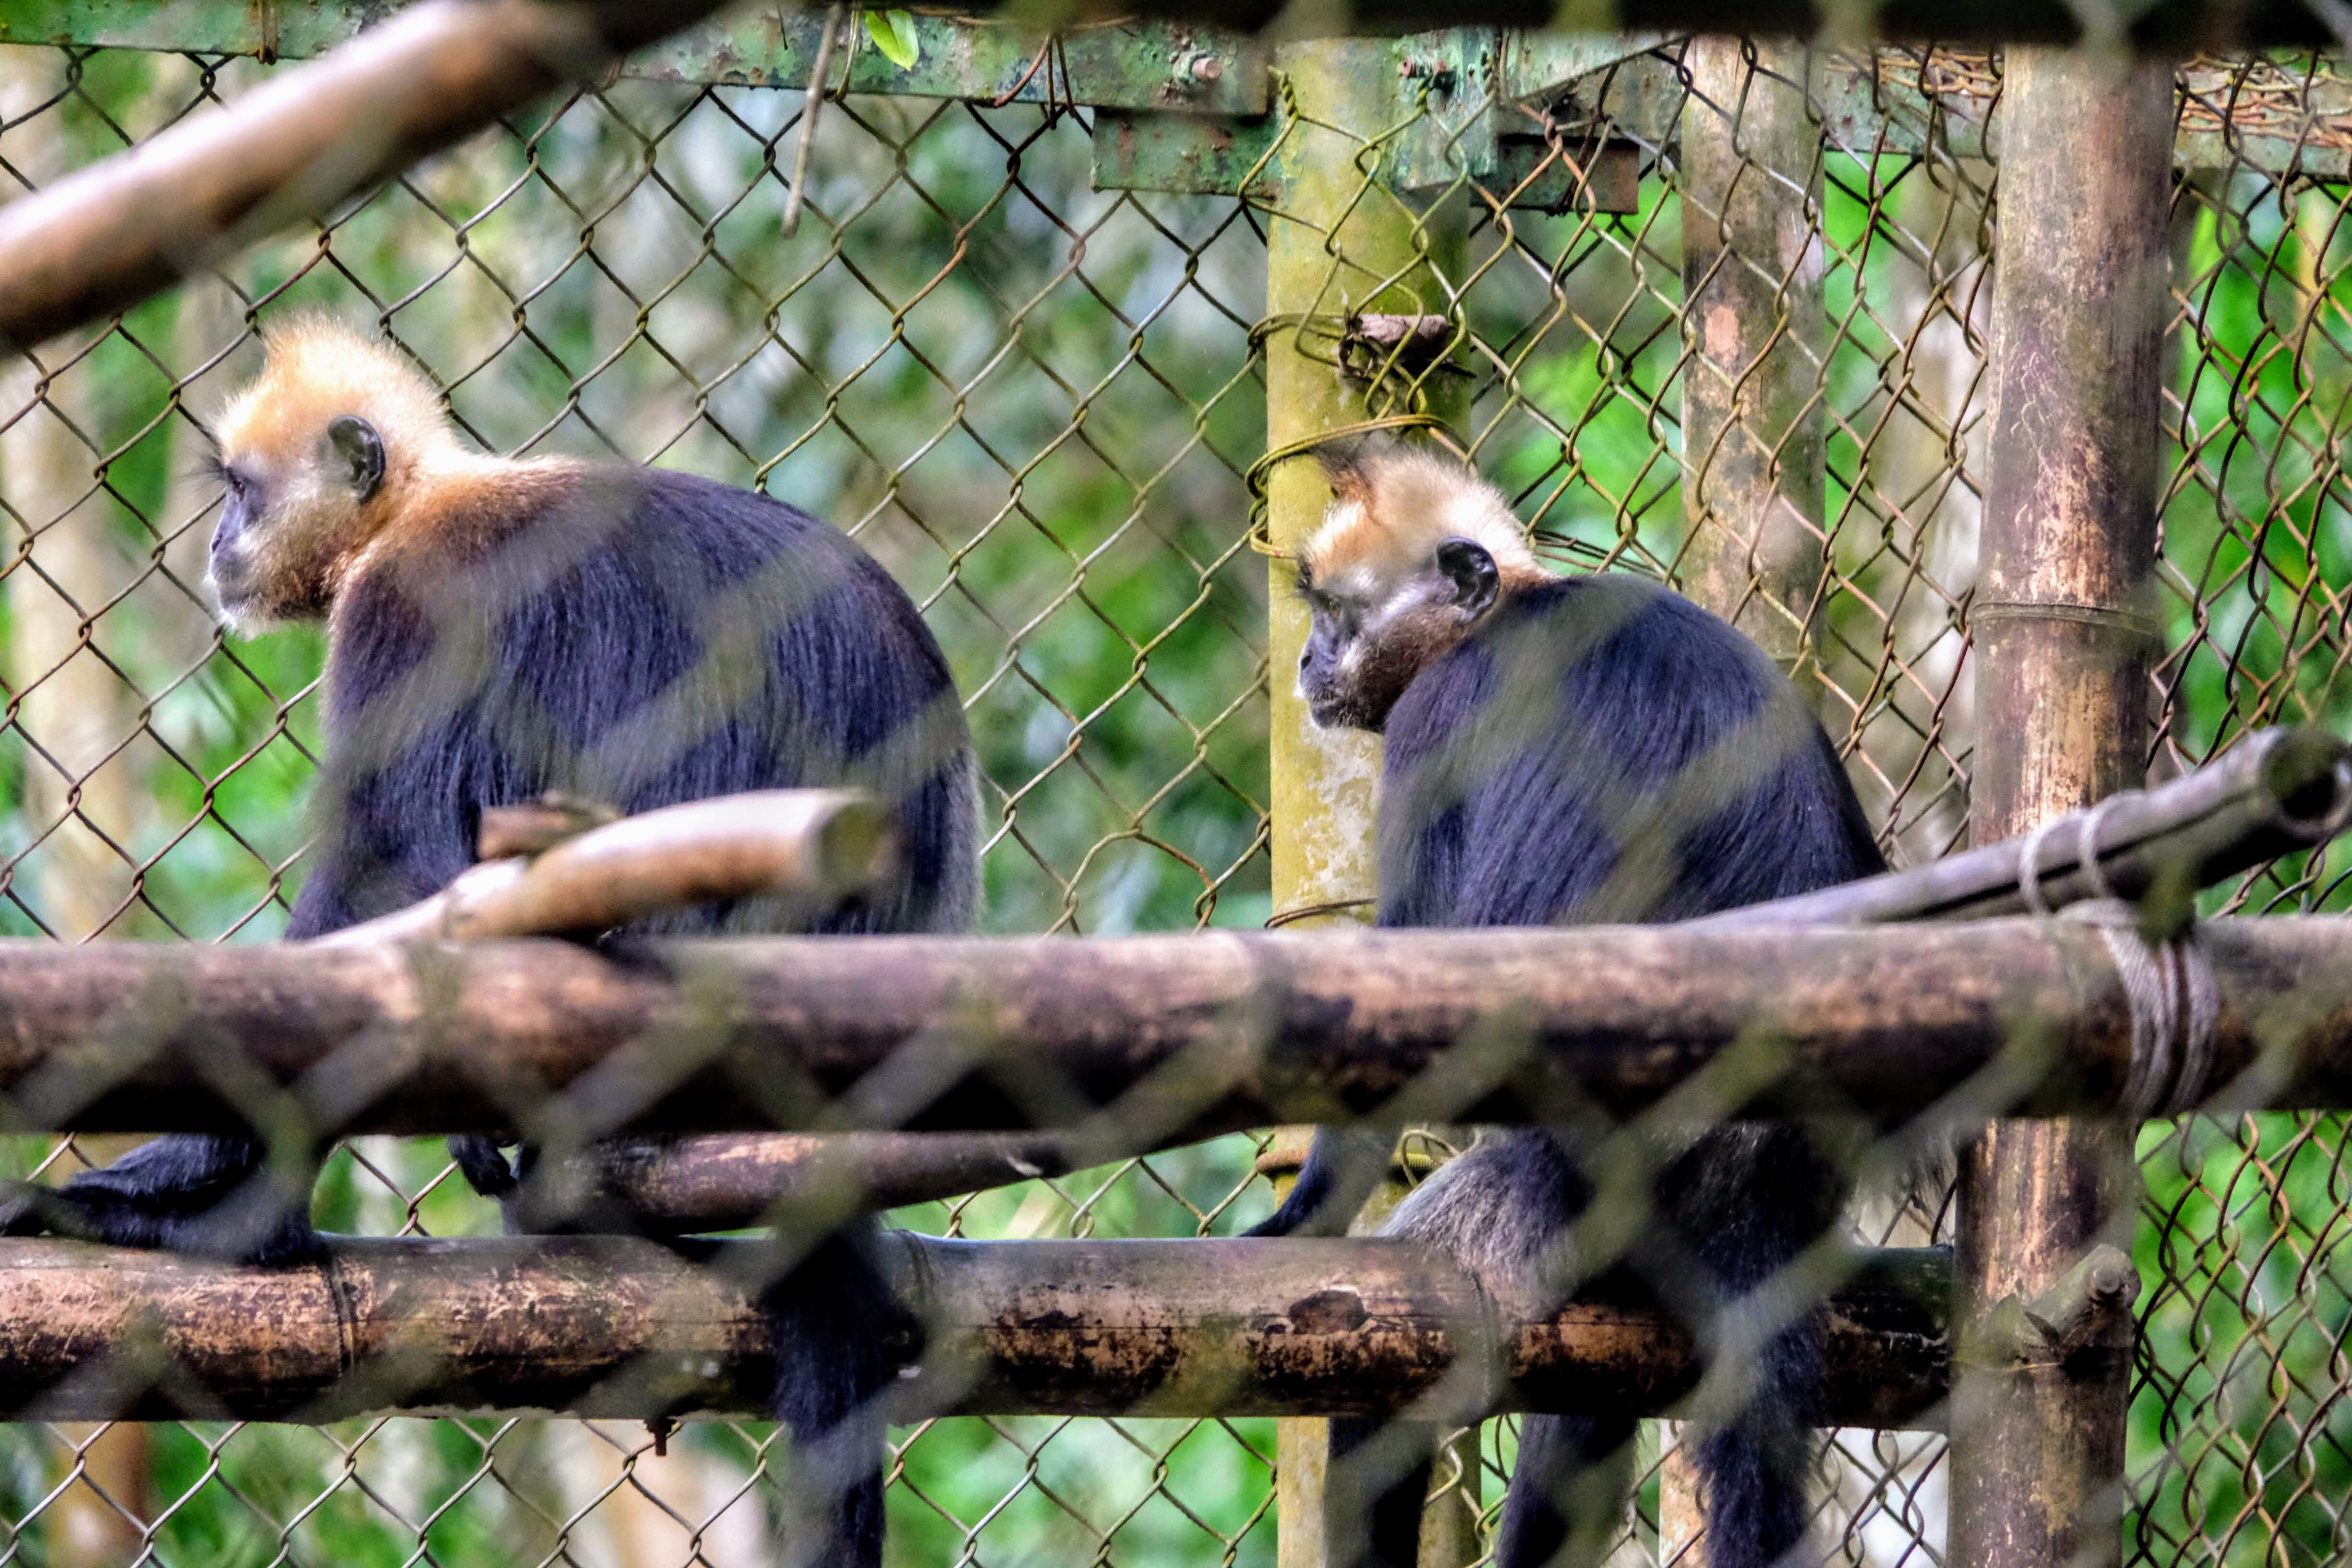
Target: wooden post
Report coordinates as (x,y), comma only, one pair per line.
(2062,640)
(1753,439)
(1339,243)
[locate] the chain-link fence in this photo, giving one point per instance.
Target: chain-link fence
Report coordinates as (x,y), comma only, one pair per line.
(1707,313)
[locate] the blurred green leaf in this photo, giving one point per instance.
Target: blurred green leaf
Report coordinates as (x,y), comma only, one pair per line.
(893,32)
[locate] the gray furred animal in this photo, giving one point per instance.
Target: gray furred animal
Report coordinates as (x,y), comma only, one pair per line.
(1578,750)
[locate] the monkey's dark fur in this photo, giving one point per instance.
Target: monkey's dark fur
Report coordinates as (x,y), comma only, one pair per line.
(1579,751)
(497,630)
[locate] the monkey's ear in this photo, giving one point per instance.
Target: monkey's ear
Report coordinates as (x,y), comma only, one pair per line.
(1351,463)
(1345,468)
(1471,570)
(361,450)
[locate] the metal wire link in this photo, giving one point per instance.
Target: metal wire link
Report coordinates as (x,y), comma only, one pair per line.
(1043,407)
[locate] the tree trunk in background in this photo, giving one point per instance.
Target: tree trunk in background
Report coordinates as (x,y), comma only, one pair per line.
(1917,469)
(81,796)
(1754,435)
(61,563)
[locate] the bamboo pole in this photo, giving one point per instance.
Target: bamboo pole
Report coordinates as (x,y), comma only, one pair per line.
(1342,242)
(105,238)
(2274,793)
(1166,1039)
(614,1326)
(2064,631)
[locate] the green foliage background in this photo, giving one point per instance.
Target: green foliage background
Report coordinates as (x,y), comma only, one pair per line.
(1034,401)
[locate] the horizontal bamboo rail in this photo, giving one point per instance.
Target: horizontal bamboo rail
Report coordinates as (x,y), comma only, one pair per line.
(729,1181)
(2278,791)
(620,1327)
(1167,1038)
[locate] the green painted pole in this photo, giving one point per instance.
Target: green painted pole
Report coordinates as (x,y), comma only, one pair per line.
(1341,242)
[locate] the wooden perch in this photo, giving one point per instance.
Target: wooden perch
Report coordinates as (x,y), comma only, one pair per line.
(103,239)
(812,847)
(2278,791)
(617,1327)
(1167,1037)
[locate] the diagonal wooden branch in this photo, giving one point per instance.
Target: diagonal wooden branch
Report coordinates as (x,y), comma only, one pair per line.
(809,847)
(102,240)
(2277,791)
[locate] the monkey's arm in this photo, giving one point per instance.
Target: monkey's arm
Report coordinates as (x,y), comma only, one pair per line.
(1344,1167)
(413,756)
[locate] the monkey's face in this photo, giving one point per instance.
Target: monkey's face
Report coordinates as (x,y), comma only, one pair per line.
(292,510)
(1373,632)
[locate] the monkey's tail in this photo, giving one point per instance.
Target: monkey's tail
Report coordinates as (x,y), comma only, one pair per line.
(1373,1491)
(829,1318)
(1344,1166)
(1755,1466)
(1565,1507)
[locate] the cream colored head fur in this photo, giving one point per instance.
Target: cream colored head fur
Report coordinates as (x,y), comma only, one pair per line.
(294,522)
(318,368)
(1392,506)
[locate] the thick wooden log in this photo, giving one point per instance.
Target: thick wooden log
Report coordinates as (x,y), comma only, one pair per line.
(618,1327)
(1134,1038)
(2279,790)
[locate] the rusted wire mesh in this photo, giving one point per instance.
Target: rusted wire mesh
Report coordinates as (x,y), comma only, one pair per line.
(1040,405)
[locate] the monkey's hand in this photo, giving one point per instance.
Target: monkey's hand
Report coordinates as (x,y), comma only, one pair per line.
(1344,1167)
(483,1161)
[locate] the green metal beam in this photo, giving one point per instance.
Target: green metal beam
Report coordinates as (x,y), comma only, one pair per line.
(1154,75)
(1896,101)
(2173,28)
(1169,67)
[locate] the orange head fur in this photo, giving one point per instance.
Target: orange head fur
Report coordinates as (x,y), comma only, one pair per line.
(338,435)
(1415,551)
